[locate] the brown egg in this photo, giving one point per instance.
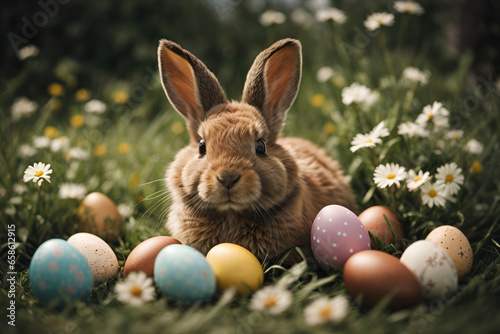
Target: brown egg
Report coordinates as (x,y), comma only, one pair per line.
(456,244)
(98,214)
(142,257)
(374,221)
(374,275)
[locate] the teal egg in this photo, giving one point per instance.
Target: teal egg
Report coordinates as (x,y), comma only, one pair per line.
(183,274)
(58,271)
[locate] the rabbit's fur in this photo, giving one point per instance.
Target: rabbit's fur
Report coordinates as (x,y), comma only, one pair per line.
(225,188)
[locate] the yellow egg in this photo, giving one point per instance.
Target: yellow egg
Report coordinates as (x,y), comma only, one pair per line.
(234,265)
(98,214)
(455,243)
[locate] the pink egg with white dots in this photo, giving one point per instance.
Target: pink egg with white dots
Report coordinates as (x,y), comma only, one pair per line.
(336,234)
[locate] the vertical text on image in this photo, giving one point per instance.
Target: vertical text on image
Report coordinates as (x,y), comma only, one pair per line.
(11,274)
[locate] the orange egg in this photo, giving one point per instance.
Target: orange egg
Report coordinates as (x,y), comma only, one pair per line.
(98,214)
(374,221)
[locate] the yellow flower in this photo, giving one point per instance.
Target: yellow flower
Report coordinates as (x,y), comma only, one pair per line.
(177,127)
(82,94)
(77,121)
(55,89)
(99,150)
(134,180)
(50,132)
(120,96)
(123,148)
(318,100)
(477,167)
(329,128)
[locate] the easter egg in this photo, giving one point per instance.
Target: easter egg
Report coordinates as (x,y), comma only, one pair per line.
(374,221)
(375,275)
(142,258)
(100,257)
(58,271)
(236,266)
(433,267)
(98,214)
(183,274)
(336,234)
(456,245)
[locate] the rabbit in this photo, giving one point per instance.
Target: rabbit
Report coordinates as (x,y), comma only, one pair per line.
(238,181)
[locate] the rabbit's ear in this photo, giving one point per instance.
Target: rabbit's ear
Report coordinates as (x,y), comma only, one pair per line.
(273,81)
(190,87)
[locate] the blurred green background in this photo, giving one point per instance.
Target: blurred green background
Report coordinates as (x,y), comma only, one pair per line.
(88,43)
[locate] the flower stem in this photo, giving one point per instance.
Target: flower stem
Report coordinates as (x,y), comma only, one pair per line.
(374,157)
(341,50)
(387,57)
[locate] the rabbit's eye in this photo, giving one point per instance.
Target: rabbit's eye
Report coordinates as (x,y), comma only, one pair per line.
(203,147)
(260,146)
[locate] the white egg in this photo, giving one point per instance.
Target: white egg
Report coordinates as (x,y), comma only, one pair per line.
(101,258)
(433,267)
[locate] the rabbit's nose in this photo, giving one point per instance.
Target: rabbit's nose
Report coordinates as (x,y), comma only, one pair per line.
(228,178)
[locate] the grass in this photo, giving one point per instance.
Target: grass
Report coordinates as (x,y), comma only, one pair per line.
(155,133)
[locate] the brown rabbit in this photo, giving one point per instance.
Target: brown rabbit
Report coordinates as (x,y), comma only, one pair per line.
(237,181)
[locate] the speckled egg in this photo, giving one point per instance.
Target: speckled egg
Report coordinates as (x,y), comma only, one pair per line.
(433,267)
(456,244)
(374,221)
(374,275)
(336,234)
(100,257)
(183,274)
(58,271)
(234,265)
(98,214)
(142,257)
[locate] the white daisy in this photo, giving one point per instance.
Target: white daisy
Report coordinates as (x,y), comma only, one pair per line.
(474,147)
(19,188)
(136,290)
(271,299)
(27,52)
(324,74)
(26,151)
(357,93)
(125,210)
(455,134)
(41,141)
(38,172)
(433,194)
(370,139)
(409,7)
(434,112)
(95,106)
(326,309)
(78,153)
(449,175)
(376,20)
(60,144)
(23,107)
(412,129)
(72,190)
(270,17)
(413,74)
(329,13)
(302,17)
(415,180)
(388,174)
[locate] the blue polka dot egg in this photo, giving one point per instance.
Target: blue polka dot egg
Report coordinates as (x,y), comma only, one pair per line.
(58,271)
(183,274)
